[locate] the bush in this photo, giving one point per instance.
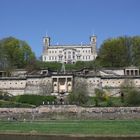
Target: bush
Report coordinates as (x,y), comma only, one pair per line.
(51,65)
(57,66)
(132,98)
(109,103)
(34,99)
(130,95)
(5,96)
(99,96)
(10,104)
(77,98)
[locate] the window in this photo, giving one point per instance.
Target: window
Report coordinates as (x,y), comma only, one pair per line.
(44,57)
(60,57)
(78,57)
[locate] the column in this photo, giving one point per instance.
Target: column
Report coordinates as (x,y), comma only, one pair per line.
(57,84)
(134,73)
(129,72)
(66,84)
(72,83)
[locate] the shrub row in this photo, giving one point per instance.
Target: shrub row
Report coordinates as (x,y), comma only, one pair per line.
(34,99)
(9,104)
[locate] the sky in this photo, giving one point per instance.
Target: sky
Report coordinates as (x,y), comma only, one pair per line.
(68,21)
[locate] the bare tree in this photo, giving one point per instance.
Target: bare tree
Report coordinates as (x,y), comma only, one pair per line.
(46,88)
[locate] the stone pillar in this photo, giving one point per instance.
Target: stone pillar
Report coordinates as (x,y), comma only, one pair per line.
(125,72)
(58,85)
(72,83)
(129,72)
(134,73)
(66,84)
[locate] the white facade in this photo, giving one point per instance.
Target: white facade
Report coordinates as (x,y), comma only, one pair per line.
(69,53)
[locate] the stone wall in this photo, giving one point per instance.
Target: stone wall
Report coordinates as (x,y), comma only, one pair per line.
(12,83)
(69,112)
(44,84)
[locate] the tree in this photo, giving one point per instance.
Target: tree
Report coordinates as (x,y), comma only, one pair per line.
(46,88)
(16,52)
(136,50)
(131,95)
(80,94)
(120,52)
(114,52)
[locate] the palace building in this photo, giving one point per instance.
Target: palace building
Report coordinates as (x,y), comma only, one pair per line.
(61,83)
(69,53)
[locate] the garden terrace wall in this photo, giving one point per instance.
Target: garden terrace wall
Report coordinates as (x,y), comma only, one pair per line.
(69,112)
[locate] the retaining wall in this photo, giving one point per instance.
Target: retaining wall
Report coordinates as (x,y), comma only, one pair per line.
(69,112)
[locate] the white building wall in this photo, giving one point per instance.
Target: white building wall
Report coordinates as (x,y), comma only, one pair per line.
(69,53)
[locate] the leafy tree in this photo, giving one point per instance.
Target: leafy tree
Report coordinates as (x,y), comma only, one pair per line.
(114,52)
(136,50)
(120,52)
(131,95)
(15,52)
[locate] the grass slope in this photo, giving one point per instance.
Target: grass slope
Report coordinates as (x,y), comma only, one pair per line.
(110,127)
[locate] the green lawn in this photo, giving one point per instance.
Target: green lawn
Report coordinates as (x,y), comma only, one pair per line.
(110,127)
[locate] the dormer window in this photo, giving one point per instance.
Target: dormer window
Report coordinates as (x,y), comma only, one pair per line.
(44,72)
